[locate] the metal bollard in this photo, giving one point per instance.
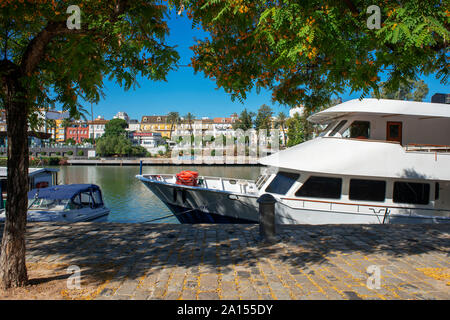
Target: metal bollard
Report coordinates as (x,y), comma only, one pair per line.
(267,225)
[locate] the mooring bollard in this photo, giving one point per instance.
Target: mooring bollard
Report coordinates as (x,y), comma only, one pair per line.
(140,168)
(267,226)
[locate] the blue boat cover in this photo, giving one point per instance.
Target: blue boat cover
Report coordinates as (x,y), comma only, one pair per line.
(61,192)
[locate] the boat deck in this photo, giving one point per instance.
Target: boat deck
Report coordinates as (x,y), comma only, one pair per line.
(216,183)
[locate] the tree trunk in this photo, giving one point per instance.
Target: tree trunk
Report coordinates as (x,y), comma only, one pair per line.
(13,271)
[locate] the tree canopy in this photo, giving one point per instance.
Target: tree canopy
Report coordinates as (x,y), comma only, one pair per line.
(109,145)
(263,118)
(116,127)
(295,130)
(412,90)
(245,121)
(305,52)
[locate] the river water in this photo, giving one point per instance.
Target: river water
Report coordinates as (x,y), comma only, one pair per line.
(128,199)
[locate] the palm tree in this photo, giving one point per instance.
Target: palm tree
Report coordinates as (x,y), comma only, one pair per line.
(281,122)
(189,118)
(172,118)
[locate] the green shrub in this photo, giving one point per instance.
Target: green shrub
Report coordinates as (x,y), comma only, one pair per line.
(70,152)
(58,153)
(80,153)
(43,153)
(54,161)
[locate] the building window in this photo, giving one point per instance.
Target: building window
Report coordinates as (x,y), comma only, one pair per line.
(282,182)
(321,187)
(370,190)
(411,192)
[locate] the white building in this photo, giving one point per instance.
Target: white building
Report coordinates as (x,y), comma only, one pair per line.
(152,141)
(224,126)
(133,126)
(97,127)
(122,115)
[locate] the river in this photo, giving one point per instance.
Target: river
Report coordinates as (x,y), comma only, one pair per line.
(128,199)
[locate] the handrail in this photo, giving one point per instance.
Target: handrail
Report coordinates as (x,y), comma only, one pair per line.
(204,177)
(358,204)
(365,140)
(427,147)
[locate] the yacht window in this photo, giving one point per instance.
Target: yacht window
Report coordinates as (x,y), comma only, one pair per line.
(321,187)
(328,127)
(412,193)
(282,182)
(337,128)
(370,190)
(436,191)
(358,130)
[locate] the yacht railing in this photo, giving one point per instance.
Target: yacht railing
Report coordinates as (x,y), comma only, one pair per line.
(427,147)
(218,183)
(361,208)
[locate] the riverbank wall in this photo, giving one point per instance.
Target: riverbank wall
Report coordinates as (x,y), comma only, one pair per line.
(203,161)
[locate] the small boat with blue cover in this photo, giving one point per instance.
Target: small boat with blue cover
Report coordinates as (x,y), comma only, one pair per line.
(66,203)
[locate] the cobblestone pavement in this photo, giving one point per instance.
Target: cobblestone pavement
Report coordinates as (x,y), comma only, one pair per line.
(168,261)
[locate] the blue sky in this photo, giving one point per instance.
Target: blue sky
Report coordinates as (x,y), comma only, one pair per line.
(186,92)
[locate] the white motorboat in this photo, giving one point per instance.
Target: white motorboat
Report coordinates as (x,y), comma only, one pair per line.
(65,203)
(377,161)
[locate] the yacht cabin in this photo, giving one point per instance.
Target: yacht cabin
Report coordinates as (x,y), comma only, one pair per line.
(381,157)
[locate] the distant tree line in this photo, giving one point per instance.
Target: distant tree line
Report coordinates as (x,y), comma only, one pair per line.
(115,141)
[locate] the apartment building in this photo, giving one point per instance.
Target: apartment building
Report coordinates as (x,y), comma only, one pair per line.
(156,124)
(97,127)
(78,132)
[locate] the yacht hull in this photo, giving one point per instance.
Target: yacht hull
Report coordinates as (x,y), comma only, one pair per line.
(289,215)
(200,205)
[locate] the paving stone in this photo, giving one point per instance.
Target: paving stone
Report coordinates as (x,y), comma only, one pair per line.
(208,296)
(164,261)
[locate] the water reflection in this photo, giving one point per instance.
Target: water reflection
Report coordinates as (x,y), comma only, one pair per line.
(128,199)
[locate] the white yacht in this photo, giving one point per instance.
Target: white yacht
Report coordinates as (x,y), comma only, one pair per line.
(377,161)
(65,203)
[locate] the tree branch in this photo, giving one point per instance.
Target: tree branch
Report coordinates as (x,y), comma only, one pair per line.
(36,48)
(352,7)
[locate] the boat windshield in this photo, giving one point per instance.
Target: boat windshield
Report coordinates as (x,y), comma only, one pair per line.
(327,129)
(47,204)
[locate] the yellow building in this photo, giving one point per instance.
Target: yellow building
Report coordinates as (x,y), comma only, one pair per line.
(157,124)
(59,132)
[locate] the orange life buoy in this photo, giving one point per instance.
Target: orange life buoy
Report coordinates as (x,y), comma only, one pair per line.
(187,177)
